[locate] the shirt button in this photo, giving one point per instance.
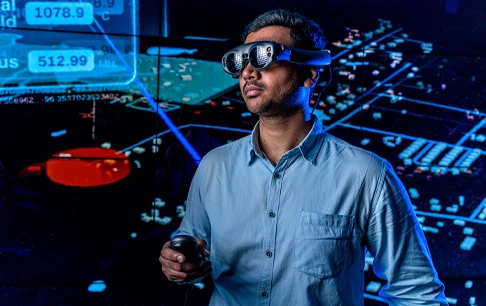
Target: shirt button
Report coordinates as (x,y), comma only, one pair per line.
(269,254)
(276,176)
(264,294)
(271,214)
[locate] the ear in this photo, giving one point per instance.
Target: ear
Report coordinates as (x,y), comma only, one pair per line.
(311,75)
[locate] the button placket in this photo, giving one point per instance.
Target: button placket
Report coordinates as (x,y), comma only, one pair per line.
(273,200)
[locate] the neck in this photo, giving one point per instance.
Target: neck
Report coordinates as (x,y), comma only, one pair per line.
(279,135)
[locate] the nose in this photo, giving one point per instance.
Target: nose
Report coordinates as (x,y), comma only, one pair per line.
(249,72)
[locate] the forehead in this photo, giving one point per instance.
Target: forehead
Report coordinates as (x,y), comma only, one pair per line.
(276,33)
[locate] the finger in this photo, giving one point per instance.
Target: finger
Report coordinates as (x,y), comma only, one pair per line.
(202,246)
(170,254)
(184,276)
(201,242)
(189,266)
(175,276)
(206,268)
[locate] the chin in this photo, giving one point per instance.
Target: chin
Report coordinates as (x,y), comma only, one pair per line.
(256,107)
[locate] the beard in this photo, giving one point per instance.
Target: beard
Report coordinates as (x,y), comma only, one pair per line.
(284,102)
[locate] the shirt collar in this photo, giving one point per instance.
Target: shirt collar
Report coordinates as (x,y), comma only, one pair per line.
(309,147)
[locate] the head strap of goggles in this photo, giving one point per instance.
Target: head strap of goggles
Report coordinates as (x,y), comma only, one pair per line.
(278,52)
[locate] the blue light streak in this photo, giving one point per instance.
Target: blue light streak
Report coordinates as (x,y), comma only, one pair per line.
(410,40)
(150,100)
(463,157)
(450,217)
(362,128)
(383,37)
(380,39)
(422,153)
(372,130)
(165,20)
(384,81)
(205,38)
(478,209)
(474,130)
(357,63)
(462,110)
(182,127)
(365,94)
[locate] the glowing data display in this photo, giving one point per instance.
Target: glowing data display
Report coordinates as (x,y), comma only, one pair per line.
(67,46)
(61,60)
(59,13)
(113,7)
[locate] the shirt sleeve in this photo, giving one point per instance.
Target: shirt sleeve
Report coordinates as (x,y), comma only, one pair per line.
(401,254)
(196,221)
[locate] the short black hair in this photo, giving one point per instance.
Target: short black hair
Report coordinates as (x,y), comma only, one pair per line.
(305,33)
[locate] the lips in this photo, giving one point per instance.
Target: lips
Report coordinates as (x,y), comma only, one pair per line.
(252,90)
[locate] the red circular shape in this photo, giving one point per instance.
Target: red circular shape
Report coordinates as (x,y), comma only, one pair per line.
(87,167)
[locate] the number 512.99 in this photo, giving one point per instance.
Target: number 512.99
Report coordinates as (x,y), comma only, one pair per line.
(59,61)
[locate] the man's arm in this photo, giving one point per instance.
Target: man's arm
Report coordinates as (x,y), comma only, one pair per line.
(195,223)
(401,254)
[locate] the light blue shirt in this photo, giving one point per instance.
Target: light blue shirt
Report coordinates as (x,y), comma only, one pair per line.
(295,233)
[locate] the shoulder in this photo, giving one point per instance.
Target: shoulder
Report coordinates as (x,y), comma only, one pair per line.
(343,153)
(227,153)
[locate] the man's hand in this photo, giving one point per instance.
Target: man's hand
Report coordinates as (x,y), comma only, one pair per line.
(177,269)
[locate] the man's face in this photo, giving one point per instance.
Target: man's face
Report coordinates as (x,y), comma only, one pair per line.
(278,90)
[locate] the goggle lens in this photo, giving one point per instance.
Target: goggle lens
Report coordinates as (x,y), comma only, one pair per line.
(234,62)
(262,54)
(259,57)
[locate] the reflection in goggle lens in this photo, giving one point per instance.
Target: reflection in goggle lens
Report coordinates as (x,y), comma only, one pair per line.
(258,57)
(234,62)
(262,54)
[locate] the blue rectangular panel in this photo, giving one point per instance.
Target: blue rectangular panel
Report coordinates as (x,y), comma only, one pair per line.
(57,13)
(61,60)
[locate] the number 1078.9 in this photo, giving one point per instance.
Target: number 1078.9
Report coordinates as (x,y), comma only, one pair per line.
(56,12)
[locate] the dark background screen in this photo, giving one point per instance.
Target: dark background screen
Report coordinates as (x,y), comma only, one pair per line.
(107,105)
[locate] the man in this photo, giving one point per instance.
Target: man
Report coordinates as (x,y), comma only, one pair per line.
(287,212)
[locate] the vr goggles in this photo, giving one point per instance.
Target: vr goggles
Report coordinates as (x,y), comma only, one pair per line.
(263,54)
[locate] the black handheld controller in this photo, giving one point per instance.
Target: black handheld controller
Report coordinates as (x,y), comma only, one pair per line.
(185,244)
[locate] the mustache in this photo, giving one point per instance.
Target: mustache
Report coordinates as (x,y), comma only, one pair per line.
(254,83)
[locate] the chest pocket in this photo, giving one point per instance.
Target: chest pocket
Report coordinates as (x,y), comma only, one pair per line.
(321,243)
